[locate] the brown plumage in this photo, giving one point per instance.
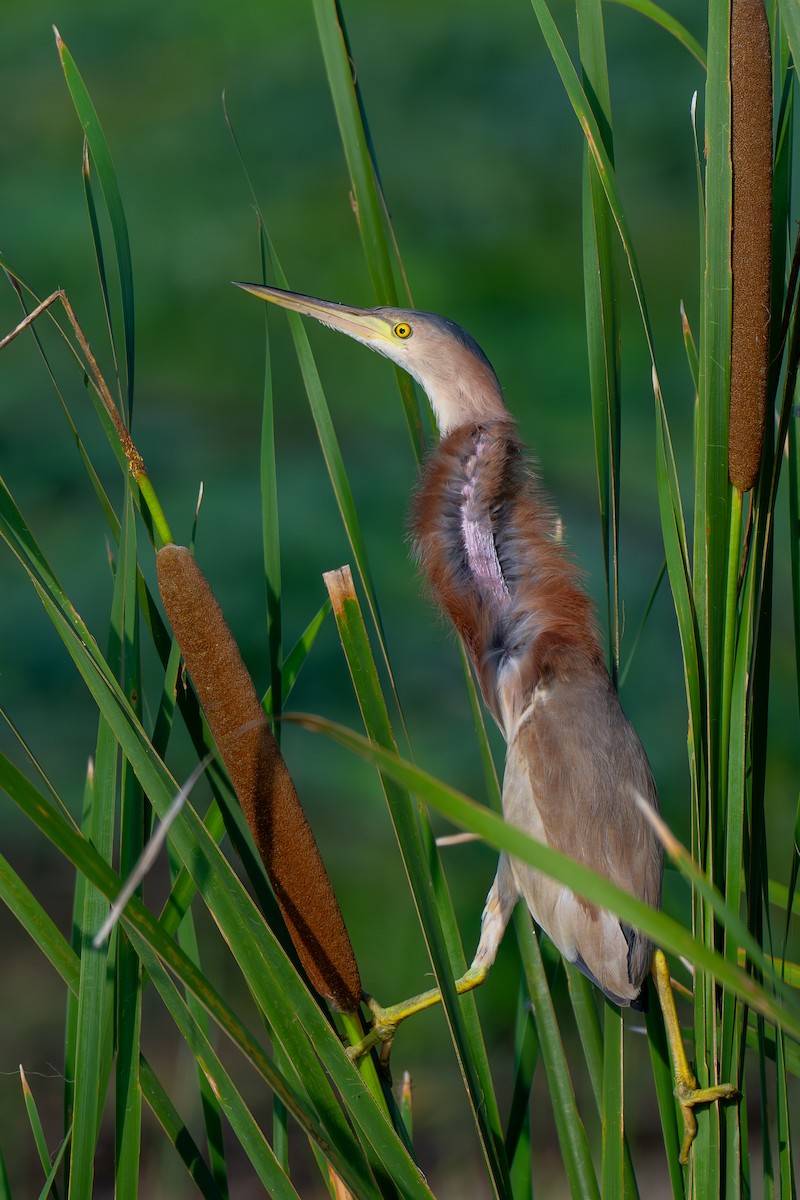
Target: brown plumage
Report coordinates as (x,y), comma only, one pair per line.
(260,778)
(486,540)
(485,537)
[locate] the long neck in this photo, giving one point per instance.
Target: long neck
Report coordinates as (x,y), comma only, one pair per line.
(486,541)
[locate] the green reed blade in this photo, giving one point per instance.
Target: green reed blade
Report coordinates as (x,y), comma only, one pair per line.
(107,178)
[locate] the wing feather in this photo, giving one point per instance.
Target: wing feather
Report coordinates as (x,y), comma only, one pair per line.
(573,768)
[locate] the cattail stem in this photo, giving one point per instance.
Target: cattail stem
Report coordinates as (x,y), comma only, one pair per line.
(751,237)
(154,508)
(260,778)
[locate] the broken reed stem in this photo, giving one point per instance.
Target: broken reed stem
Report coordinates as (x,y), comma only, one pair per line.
(751,237)
(133,457)
(261,779)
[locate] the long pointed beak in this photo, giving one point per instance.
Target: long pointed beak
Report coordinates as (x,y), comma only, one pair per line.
(361,323)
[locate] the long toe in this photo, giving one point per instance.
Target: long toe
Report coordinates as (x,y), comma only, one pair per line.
(688,1097)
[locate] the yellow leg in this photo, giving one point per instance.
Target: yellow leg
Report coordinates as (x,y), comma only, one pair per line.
(687,1093)
(386,1020)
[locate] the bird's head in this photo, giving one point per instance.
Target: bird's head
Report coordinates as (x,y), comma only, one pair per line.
(446,362)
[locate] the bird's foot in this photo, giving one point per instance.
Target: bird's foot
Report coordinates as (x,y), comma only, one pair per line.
(381,1031)
(688,1095)
(386,1020)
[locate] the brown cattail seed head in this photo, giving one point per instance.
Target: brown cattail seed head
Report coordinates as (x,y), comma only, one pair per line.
(751,241)
(261,779)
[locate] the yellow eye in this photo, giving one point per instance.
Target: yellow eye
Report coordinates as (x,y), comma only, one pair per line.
(402,330)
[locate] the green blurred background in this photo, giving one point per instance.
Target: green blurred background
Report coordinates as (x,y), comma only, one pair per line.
(480,158)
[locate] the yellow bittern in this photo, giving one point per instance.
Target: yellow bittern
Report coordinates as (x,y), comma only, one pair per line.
(576,775)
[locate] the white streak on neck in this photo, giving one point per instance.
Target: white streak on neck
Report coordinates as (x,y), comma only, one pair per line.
(476,531)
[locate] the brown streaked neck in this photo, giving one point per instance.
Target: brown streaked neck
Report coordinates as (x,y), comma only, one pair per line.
(485,535)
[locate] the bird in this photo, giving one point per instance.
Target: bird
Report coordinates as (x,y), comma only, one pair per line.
(576,776)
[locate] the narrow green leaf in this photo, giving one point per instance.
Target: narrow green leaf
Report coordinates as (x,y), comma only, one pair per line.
(736,716)
(599,154)
(666,20)
(712,491)
(244,1126)
(5,1185)
(15,532)
(22,903)
(766,1123)
(177,1134)
(93,1051)
(518,1130)
(98,147)
(127,1093)
(209,1099)
(426,880)
(794,552)
(270,519)
(784,1108)
(336,469)
(664,1084)
(676,552)
(571,1133)
(790,17)
(35,1122)
(97,241)
(637,636)
(780,896)
(270,528)
(283,997)
(691,349)
(327,438)
(339,68)
(297,656)
(373,219)
(94,995)
(584,1007)
(664,930)
(94,479)
(613,1102)
(601,297)
(712,497)
(48,938)
(71,1015)
(791,1049)
(49,1183)
(293,1013)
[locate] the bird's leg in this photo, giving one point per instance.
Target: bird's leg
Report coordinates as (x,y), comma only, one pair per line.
(386,1020)
(496,914)
(687,1093)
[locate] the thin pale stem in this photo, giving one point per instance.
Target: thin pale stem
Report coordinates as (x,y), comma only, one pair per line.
(30,317)
(133,457)
(729,653)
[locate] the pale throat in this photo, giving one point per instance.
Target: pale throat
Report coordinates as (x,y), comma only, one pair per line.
(458,401)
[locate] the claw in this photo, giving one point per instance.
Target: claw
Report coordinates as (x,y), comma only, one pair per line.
(386,1020)
(381,1032)
(687,1093)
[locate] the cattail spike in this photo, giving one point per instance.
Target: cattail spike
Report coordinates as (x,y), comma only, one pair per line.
(751,238)
(261,779)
